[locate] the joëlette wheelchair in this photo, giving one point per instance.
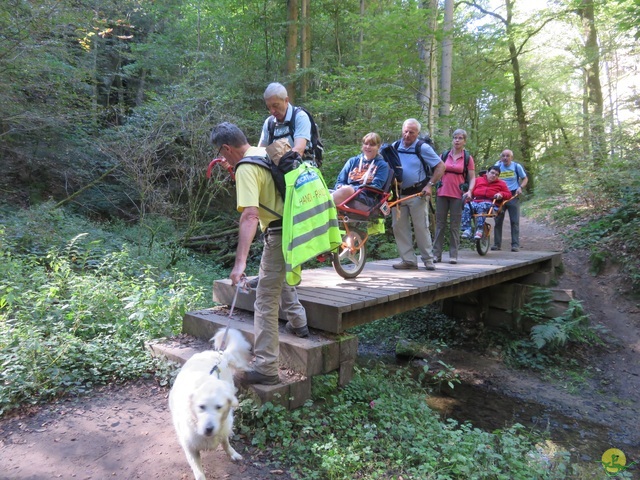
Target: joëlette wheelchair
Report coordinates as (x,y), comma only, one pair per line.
(356,215)
(497,208)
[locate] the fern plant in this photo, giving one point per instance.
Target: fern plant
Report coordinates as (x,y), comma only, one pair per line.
(571,326)
(537,306)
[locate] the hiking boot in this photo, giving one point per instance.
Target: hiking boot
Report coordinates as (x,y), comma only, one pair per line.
(515,249)
(252,377)
(495,247)
(300,332)
(429,265)
(405,266)
(478,235)
(466,234)
(253,283)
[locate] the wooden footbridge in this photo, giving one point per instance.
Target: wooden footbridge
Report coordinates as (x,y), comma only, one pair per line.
(335,305)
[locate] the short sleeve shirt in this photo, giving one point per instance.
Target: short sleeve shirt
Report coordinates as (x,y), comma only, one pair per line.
(302,128)
(412,168)
(255,187)
(453,175)
(508,174)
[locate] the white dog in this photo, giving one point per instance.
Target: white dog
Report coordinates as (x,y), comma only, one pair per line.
(203,397)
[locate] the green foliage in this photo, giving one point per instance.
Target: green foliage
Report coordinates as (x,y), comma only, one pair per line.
(610,233)
(379,426)
(572,326)
(546,344)
(613,236)
(76,309)
(445,373)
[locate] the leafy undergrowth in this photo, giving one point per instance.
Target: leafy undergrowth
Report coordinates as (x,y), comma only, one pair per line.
(77,303)
(380,427)
(608,229)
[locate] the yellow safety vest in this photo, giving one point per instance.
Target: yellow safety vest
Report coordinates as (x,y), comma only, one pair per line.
(309,222)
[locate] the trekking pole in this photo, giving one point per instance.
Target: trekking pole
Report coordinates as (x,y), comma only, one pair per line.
(240,287)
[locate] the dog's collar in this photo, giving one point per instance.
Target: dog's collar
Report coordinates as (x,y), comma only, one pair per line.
(215,369)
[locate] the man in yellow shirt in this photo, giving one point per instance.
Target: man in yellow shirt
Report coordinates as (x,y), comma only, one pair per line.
(259,203)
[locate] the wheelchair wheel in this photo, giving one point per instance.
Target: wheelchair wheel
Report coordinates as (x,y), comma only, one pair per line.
(349,261)
(482,244)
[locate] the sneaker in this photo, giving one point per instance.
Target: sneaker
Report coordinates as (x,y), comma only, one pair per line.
(453,261)
(405,266)
(301,332)
(466,234)
(495,247)
(437,259)
(515,249)
(429,265)
(252,377)
(478,235)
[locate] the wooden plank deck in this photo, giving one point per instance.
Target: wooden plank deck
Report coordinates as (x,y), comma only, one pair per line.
(334,304)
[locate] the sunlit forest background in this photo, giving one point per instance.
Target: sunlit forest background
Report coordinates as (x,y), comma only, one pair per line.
(110,230)
(106,105)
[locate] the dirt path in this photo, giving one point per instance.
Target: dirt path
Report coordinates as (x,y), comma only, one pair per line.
(118,432)
(125,432)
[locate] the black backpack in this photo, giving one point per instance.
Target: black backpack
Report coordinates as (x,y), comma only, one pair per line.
(315,148)
(421,140)
(289,161)
(390,154)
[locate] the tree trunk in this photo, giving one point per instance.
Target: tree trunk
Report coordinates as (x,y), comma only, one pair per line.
(427,49)
(141,87)
(306,47)
(586,133)
(563,131)
(292,47)
(361,36)
(594,89)
(518,88)
(94,86)
(447,61)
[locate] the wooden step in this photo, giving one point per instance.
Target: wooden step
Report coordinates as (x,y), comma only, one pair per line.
(300,358)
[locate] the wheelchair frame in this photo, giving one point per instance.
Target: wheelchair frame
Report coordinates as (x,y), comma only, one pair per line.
(484,242)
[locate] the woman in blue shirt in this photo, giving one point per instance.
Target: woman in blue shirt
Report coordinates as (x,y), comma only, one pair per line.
(368,168)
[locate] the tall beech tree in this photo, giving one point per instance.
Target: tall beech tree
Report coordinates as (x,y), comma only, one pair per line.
(517,37)
(593,101)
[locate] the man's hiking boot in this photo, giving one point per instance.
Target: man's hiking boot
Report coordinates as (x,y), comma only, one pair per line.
(405,266)
(252,377)
(301,332)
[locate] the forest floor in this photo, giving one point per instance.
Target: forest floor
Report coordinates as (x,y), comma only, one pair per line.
(125,431)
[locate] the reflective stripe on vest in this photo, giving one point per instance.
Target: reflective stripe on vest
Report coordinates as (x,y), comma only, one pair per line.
(310,220)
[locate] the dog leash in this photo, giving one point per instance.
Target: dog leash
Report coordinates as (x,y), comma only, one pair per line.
(240,287)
